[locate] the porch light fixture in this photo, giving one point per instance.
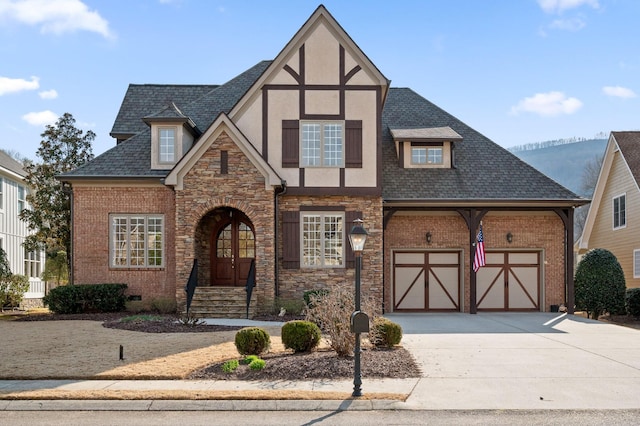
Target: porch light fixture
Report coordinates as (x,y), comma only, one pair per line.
(509,237)
(429,237)
(359,320)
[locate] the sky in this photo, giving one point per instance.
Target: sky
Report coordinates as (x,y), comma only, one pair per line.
(517,71)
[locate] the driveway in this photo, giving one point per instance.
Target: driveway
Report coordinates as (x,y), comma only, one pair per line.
(521,360)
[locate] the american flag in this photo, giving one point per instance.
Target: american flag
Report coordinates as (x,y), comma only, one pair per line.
(479,259)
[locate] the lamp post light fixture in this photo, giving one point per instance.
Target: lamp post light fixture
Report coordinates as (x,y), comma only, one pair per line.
(359,320)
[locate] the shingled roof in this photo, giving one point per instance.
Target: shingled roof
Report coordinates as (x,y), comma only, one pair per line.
(8,163)
(629,144)
(482,169)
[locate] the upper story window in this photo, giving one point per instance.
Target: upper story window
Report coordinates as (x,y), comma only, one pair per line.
(1,193)
(322,144)
(137,241)
(421,155)
(22,200)
(620,211)
(167,145)
(322,239)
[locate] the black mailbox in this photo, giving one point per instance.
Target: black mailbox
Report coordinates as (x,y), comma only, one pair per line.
(359,322)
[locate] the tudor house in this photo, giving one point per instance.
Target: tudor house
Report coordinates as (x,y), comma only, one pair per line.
(264,175)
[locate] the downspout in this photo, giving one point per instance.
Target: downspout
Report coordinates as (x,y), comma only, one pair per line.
(276,207)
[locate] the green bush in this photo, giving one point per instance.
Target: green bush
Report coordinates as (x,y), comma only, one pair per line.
(599,284)
(257,364)
(75,299)
(291,306)
(163,305)
(230,366)
(12,290)
(632,302)
(248,359)
(386,333)
(310,295)
(301,336)
(252,341)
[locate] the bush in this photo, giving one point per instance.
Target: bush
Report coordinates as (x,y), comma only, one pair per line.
(12,290)
(309,295)
(163,305)
(230,366)
(385,333)
(291,306)
(257,364)
(331,311)
(248,359)
(301,336)
(632,302)
(252,341)
(599,284)
(75,299)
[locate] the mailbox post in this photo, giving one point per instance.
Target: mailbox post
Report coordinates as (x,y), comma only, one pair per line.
(359,320)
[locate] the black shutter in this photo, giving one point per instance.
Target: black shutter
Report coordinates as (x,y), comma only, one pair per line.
(290,143)
(291,240)
(353,144)
(350,257)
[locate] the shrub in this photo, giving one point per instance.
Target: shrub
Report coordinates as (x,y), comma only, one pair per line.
(308,295)
(163,305)
(12,290)
(301,336)
(257,364)
(291,306)
(599,284)
(385,333)
(249,359)
(74,299)
(331,311)
(632,302)
(230,366)
(252,341)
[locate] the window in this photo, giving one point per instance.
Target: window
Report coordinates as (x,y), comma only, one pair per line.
(32,264)
(1,193)
(619,212)
(322,144)
(137,241)
(167,145)
(322,239)
(426,155)
(434,156)
(636,264)
(22,202)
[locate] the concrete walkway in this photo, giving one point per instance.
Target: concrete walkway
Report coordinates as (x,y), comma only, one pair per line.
(484,361)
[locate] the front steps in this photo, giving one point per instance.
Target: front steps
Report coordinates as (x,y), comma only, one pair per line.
(222,302)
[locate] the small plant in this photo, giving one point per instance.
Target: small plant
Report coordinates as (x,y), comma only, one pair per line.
(249,359)
(301,336)
(230,366)
(141,318)
(190,320)
(163,305)
(310,295)
(257,364)
(632,302)
(290,306)
(252,341)
(385,333)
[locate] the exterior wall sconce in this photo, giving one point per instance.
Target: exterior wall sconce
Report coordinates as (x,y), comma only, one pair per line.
(509,237)
(429,237)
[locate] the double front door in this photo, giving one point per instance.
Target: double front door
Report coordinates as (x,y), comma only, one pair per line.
(232,250)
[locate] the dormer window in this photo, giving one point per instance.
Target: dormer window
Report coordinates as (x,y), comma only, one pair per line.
(167,145)
(431,147)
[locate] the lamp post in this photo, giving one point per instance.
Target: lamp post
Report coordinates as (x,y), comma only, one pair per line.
(357,238)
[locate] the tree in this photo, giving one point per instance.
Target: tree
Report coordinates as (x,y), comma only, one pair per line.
(63,148)
(599,284)
(12,287)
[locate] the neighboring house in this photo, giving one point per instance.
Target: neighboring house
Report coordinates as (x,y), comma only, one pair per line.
(613,222)
(13,230)
(273,167)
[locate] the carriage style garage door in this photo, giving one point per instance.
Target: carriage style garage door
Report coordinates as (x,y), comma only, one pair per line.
(510,281)
(426,281)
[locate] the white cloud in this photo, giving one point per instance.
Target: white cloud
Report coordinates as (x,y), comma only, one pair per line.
(40,118)
(573,24)
(548,104)
(559,6)
(55,16)
(48,94)
(13,85)
(618,92)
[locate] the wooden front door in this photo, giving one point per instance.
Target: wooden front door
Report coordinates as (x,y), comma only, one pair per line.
(233,248)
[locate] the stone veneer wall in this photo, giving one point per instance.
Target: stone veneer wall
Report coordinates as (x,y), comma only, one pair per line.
(534,231)
(91,208)
(206,189)
(293,282)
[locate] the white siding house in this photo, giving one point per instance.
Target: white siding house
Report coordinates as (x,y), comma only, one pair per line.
(13,231)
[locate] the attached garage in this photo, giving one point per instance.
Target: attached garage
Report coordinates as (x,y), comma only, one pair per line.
(426,281)
(510,281)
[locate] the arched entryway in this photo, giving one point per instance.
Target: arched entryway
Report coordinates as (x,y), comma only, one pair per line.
(233,248)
